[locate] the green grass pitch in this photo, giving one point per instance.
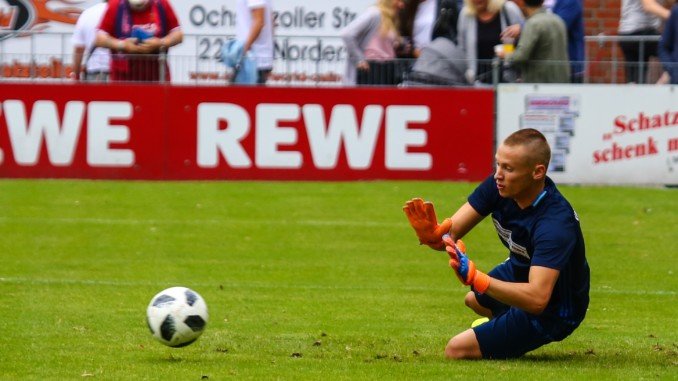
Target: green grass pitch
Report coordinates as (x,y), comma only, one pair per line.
(305,281)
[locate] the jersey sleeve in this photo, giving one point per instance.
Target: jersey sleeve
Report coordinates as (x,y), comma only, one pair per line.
(554,240)
(107,23)
(485,197)
(172,20)
(78,38)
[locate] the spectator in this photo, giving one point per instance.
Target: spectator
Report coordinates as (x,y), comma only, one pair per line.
(441,62)
(668,46)
(137,31)
(421,21)
(97,60)
(639,18)
(422,28)
(254,26)
(444,25)
(481,26)
(541,53)
(371,41)
(572,13)
(406,17)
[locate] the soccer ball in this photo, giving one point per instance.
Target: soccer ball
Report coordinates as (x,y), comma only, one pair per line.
(177,316)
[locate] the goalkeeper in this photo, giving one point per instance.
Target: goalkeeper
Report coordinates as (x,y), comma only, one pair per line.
(541,292)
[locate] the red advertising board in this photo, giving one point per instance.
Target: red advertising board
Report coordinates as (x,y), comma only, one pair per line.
(175,132)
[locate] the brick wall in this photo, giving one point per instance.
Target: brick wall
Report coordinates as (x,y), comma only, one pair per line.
(602,17)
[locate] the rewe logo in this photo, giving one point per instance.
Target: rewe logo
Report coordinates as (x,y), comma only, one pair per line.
(27,134)
(273,139)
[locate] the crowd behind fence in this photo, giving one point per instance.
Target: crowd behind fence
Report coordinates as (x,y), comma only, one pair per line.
(47,56)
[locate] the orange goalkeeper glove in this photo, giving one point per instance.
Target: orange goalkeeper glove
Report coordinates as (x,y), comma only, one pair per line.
(422,217)
(464,267)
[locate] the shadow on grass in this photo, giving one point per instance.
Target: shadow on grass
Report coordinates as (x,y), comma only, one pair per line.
(587,355)
(591,356)
(175,359)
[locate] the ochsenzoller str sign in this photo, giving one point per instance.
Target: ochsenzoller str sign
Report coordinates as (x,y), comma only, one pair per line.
(307,36)
(599,134)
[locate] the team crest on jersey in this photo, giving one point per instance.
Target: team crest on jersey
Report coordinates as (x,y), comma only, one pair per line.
(505,235)
(18,16)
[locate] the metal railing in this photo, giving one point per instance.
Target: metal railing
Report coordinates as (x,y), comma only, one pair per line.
(608,46)
(298,61)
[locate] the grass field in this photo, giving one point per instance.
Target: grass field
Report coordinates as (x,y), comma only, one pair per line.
(305,280)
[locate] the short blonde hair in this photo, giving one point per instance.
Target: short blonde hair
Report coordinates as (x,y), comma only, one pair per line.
(535,142)
(493,6)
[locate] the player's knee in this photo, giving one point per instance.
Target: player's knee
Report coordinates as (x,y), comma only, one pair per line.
(453,352)
(470,300)
(463,346)
(457,350)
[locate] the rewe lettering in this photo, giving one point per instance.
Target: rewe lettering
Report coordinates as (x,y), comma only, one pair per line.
(326,136)
(60,135)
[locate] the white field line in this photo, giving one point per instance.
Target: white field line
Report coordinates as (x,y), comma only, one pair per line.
(151,222)
(117,283)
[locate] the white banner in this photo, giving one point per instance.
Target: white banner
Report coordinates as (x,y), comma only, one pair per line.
(599,134)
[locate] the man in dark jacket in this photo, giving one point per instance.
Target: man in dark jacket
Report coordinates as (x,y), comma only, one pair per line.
(572,13)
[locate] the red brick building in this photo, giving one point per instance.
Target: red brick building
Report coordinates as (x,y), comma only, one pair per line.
(602,17)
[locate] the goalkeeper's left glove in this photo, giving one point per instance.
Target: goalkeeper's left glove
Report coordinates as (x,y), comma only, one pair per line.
(464,267)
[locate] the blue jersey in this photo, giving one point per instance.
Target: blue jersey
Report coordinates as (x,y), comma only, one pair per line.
(547,234)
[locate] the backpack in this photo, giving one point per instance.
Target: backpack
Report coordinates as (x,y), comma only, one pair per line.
(446,21)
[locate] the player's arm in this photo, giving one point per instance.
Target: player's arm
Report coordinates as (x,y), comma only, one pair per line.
(532,296)
(463,220)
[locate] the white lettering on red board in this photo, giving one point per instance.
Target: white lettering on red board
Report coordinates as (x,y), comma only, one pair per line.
(357,137)
(61,135)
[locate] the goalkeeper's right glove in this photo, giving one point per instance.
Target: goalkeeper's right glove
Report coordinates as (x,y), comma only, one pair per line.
(464,267)
(422,218)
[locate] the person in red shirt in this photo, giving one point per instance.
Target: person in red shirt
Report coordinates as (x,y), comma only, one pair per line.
(136,32)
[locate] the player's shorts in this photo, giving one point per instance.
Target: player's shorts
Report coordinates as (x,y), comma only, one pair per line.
(513,332)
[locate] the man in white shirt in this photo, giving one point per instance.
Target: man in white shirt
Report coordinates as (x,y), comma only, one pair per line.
(97,60)
(254,26)
(424,20)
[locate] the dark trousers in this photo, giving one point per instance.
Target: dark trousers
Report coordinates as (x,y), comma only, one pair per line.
(262,76)
(635,58)
(381,73)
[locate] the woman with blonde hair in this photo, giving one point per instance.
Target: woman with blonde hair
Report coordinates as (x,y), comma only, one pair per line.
(482,25)
(371,41)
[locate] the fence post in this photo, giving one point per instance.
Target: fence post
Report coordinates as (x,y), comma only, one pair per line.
(31,67)
(496,63)
(641,62)
(163,68)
